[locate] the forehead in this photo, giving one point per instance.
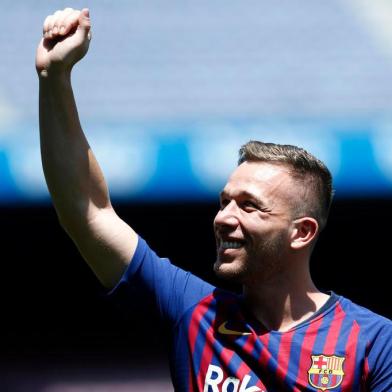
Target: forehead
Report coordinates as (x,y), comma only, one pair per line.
(262,179)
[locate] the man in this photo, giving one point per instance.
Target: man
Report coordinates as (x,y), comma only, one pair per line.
(282,333)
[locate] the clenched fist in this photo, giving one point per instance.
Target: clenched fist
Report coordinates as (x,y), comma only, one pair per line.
(66,38)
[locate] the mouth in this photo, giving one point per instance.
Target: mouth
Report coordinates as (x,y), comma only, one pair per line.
(231,245)
(228,245)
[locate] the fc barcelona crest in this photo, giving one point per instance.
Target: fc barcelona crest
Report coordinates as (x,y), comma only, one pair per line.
(326,371)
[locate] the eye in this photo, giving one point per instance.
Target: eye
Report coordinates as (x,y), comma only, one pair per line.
(249,206)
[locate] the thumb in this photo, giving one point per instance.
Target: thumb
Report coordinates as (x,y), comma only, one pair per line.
(84,21)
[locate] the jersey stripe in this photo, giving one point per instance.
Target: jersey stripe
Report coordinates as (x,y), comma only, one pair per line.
(323,332)
(238,365)
(248,347)
(297,343)
(334,331)
(351,351)
(195,337)
(284,351)
(207,354)
(263,356)
(305,360)
(284,356)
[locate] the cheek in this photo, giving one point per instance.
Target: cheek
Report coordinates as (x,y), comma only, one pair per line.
(277,242)
(269,238)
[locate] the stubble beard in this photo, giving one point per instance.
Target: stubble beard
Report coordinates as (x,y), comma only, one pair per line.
(255,267)
(230,270)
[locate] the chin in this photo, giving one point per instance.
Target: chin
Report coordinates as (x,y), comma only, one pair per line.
(229,271)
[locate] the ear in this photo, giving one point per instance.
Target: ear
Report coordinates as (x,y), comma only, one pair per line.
(304,232)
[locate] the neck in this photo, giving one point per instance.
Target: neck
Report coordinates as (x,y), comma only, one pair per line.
(285,302)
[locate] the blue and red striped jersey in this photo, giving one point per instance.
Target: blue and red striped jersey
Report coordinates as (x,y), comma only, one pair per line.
(217,345)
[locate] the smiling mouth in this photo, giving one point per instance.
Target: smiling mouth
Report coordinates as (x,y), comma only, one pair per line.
(231,245)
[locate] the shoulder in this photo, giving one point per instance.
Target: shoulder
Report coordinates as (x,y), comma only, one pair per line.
(375,333)
(367,320)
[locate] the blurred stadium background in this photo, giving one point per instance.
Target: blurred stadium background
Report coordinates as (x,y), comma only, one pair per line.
(166,95)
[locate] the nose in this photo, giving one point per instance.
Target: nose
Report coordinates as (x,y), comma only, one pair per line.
(227,216)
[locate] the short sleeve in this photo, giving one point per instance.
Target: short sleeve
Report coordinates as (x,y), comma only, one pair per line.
(155,281)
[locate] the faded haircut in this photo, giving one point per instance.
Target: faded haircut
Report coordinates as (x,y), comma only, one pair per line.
(315,178)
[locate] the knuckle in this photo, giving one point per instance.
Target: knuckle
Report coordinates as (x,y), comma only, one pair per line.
(56,17)
(66,13)
(46,23)
(50,21)
(71,18)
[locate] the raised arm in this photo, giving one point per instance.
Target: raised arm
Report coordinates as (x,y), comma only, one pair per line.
(74,178)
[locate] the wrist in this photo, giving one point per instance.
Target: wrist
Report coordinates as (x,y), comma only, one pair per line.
(54,73)
(54,82)
(54,76)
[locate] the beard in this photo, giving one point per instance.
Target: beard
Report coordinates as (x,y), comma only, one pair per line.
(253,263)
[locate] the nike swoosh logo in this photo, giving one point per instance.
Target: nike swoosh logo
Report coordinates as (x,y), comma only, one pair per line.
(225,331)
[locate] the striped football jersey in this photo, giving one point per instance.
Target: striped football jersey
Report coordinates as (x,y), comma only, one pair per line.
(218,345)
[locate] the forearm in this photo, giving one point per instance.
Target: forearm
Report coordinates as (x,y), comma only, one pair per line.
(74,179)
(73,176)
